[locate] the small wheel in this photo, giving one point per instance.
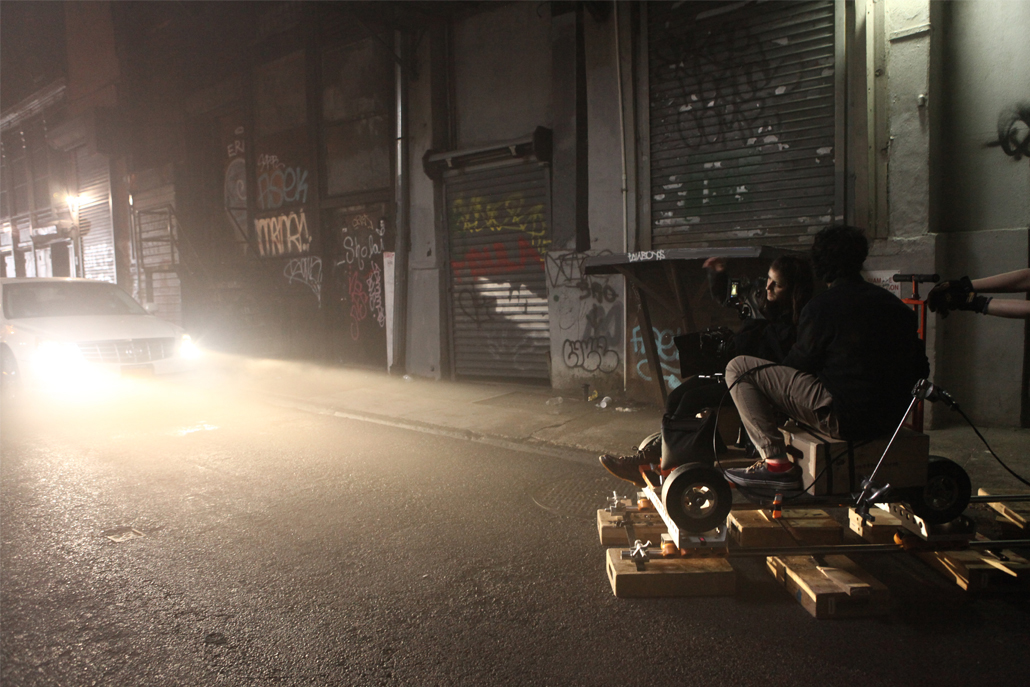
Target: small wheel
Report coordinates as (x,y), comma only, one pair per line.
(652,446)
(697,497)
(945,495)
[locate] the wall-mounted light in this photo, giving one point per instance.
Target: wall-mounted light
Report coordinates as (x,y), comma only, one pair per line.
(74,203)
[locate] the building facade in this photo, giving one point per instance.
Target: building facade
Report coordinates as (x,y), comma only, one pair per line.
(416,186)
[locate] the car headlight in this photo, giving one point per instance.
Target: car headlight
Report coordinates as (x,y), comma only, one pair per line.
(188,349)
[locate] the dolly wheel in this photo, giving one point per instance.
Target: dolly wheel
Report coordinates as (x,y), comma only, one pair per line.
(945,495)
(697,497)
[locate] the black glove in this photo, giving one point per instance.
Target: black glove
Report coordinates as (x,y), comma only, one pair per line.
(951,295)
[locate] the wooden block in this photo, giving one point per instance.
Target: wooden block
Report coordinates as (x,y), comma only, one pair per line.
(904,466)
(1017,512)
(978,571)
(670,576)
(880,531)
(645,525)
(839,589)
(755,528)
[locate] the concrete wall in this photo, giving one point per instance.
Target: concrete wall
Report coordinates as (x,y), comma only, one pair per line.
(985,198)
(502,73)
(588,312)
(424,334)
(987,65)
(983,356)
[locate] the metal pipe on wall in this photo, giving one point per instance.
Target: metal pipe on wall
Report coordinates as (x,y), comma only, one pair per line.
(401,214)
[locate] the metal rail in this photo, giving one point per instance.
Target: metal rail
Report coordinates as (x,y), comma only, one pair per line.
(845,549)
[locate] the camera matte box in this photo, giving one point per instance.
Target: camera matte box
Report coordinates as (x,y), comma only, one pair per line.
(904,466)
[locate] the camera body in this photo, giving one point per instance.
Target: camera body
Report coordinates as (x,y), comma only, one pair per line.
(705,352)
(738,297)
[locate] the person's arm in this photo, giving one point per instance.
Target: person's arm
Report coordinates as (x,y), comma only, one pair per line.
(718,279)
(1008,307)
(1009,282)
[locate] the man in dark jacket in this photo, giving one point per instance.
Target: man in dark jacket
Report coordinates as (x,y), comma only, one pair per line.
(850,374)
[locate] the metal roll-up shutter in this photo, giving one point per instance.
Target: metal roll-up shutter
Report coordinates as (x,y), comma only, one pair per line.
(741,121)
(499,233)
(95,215)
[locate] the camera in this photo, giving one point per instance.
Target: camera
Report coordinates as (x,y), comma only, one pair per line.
(738,297)
(706,352)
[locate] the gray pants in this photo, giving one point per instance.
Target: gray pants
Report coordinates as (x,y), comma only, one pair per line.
(765,396)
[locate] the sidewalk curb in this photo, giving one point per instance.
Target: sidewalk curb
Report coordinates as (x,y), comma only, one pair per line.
(576,455)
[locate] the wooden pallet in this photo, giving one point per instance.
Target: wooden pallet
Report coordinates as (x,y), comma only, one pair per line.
(670,576)
(978,571)
(880,531)
(756,528)
(621,528)
(1015,514)
(839,589)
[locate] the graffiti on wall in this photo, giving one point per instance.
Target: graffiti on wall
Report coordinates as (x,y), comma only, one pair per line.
(283,234)
(485,287)
(235,181)
(306,271)
(589,314)
(279,184)
(1014,131)
(668,355)
(477,215)
(729,77)
(362,241)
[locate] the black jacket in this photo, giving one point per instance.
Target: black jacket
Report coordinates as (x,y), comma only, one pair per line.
(766,339)
(862,343)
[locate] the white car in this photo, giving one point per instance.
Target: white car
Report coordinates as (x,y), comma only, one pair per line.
(62,331)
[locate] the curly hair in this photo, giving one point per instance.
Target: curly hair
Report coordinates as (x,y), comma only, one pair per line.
(796,274)
(839,251)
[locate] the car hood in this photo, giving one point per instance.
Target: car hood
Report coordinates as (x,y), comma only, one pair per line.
(105,328)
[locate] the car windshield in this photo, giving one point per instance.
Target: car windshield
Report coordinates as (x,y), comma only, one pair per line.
(67,299)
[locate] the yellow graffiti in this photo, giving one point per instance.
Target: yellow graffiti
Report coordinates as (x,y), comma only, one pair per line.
(476,215)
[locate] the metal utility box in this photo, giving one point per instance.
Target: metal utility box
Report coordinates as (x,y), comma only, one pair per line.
(904,466)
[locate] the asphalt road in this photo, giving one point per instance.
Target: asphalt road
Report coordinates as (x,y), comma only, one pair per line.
(262,545)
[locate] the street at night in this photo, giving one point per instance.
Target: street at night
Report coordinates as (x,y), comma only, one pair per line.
(451,342)
(185,534)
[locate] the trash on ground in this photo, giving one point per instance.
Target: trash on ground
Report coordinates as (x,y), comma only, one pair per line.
(605,402)
(120,534)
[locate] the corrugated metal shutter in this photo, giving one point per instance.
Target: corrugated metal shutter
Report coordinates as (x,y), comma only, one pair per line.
(95,213)
(157,232)
(741,121)
(498,224)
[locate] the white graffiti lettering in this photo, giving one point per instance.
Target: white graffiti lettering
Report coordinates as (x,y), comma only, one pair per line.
(645,255)
(307,271)
(355,253)
(375,294)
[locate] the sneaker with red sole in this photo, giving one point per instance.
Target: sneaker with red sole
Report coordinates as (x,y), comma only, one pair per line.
(759,476)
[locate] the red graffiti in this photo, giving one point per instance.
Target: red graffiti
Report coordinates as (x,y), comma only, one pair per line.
(494,260)
(358,303)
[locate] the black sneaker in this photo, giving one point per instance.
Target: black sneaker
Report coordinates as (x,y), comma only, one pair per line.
(626,467)
(758,476)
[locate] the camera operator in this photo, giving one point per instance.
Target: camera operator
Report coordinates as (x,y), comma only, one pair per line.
(966,294)
(850,374)
(772,312)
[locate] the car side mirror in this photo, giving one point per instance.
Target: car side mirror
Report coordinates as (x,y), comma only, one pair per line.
(151,308)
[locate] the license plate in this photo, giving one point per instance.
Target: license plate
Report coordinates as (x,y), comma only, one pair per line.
(137,371)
